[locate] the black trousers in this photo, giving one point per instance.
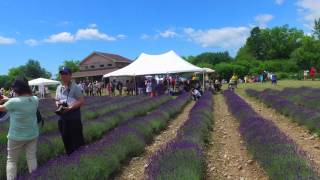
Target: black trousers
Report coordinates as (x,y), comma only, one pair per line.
(70,128)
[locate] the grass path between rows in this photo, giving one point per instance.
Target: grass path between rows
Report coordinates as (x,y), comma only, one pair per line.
(306,141)
(136,167)
(227,156)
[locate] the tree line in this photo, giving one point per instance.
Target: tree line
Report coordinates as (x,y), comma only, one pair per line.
(282,50)
(32,70)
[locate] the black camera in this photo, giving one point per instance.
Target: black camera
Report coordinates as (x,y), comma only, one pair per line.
(61,108)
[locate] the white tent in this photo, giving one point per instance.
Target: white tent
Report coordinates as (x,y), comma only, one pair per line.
(147,64)
(208,70)
(42,81)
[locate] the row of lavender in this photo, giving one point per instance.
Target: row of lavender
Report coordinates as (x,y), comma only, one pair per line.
(303,115)
(50,146)
(303,96)
(91,112)
(94,110)
(183,158)
(47,108)
(101,159)
(277,153)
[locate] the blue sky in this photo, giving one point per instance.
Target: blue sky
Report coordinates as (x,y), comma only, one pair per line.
(54,31)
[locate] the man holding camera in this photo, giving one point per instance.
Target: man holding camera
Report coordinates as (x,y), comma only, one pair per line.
(69,99)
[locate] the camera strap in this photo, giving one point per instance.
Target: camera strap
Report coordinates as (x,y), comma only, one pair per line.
(68,89)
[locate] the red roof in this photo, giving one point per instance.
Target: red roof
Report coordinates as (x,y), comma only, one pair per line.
(93,73)
(112,57)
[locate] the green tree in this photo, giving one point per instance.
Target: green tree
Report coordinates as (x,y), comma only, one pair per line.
(308,54)
(225,70)
(316,29)
(17,71)
(74,65)
(282,41)
(211,58)
(244,54)
(256,44)
(5,81)
(274,43)
(188,58)
(33,70)
(30,70)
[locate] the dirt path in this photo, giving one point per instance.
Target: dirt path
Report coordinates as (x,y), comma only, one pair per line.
(136,167)
(227,157)
(306,141)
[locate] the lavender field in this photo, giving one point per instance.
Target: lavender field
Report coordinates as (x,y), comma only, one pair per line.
(118,130)
(302,104)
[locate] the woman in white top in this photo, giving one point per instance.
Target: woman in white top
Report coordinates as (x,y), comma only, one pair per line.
(149,87)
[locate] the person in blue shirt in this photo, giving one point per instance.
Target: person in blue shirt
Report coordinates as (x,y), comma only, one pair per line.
(273,79)
(23,131)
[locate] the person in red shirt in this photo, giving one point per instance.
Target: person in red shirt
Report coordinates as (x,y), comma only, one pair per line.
(312,73)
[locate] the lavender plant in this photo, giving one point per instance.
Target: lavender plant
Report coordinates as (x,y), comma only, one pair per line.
(182,158)
(280,157)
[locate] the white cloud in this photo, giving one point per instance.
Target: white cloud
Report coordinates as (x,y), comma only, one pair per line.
(227,37)
(5,40)
(92,34)
(279,2)
(93,25)
(160,34)
(60,37)
(31,42)
(263,19)
(82,34)
(145,36)
(167,34)
(64,23)
(309,10)
(121,36)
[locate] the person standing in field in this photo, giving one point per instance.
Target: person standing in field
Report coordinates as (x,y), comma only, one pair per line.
(273,79)
(148,87)
(119,87)
(109,88)
(312,73)
(305,74)
(99,88)
(23,131)
(69,96)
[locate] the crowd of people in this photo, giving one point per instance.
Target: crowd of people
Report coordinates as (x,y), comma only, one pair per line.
(263,77)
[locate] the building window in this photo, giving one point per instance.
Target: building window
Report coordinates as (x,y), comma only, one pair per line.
(109,64)
(101,65)
(92,66)
(86,67)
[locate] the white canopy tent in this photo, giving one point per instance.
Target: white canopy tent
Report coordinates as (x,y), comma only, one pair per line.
(147,64)
(42,81)
(208,70)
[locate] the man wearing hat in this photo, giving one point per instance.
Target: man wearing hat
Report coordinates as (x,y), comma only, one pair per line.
(69,99)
